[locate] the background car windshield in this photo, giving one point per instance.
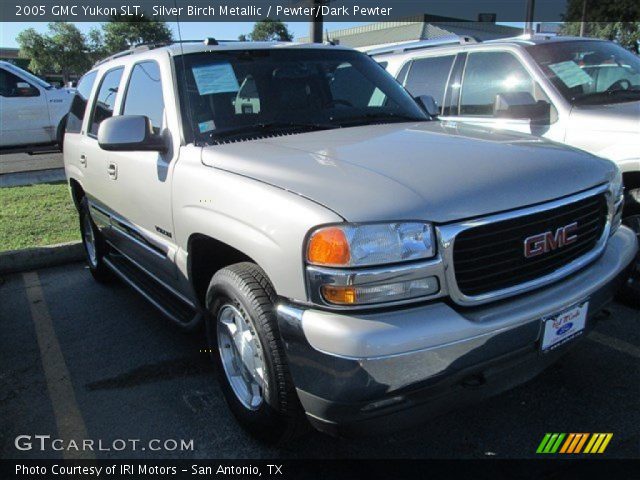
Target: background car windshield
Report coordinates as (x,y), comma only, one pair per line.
(590,71)
(234,91)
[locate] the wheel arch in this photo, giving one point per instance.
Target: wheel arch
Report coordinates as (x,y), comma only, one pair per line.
(206,256)
(77,192)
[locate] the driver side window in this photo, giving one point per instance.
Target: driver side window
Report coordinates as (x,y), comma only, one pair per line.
(13,86)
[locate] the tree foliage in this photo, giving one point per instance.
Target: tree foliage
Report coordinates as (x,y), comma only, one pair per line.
(627,34)
(616,20)
(268,30)
(62,50)
(124,32)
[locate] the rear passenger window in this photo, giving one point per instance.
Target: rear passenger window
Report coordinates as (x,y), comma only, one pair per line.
(428,76)
(106,99)
(144,94)
(79,102)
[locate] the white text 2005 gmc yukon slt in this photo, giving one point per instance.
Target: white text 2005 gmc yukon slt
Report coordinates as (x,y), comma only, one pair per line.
(356,264)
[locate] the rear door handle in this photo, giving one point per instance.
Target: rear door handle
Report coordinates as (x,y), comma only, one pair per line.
(112,170)
(83,160)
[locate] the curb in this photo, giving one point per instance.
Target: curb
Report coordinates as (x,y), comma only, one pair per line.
(40,257)
(21,179)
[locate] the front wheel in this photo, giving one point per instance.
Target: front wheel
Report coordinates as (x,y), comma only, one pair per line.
(250,359)
(629,294)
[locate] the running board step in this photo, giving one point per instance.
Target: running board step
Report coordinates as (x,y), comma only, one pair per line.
(172,306)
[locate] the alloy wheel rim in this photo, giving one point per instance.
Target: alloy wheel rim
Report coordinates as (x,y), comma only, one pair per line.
(241,356)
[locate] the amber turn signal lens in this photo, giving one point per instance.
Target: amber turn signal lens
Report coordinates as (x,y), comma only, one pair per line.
(339,295)
(328,246)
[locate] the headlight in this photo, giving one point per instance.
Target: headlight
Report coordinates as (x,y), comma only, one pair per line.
(373,244)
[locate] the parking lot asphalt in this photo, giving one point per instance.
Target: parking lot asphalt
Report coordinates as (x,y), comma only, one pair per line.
(23,162)
(84,360)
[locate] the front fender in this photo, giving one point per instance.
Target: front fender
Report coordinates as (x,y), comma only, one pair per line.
(264,222)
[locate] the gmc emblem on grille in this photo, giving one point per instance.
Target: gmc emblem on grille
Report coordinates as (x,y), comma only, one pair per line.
(546,242)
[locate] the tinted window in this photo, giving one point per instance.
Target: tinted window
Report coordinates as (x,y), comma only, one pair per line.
(351,88)
(244,93)
(590,72)
(9,86)
(428,76)
(79,103)
(402,74)
(144,94)
(488,74)
(106,99)
(383,64)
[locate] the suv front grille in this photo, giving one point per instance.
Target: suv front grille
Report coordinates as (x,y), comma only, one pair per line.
(491,257)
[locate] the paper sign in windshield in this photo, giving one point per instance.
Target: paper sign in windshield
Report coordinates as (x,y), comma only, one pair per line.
(215,78)
(570,73)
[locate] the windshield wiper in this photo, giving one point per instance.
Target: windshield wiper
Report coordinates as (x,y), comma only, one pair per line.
(386,116)
(267,127)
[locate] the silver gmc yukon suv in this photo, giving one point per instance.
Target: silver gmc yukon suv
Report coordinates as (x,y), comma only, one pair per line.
(356,264)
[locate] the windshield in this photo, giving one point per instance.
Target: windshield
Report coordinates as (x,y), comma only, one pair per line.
(246,93)
(590,72)
(32,77)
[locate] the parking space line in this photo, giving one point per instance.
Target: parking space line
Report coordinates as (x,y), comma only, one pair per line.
(616,344)
(63,400)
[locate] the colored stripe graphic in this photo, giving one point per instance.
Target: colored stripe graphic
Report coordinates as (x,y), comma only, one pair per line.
(544,441)
(573,443)
(581,442)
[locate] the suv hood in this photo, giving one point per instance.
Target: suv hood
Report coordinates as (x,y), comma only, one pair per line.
(616,117)
(423,171)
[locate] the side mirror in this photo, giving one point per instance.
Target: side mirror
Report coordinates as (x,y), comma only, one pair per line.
(428,104)
(129,133)
(520,105)
(24,89)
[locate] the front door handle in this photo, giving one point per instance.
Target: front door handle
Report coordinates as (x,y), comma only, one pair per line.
(112,170)
(83,160)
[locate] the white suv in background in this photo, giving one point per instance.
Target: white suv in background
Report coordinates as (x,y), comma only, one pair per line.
(32,112)
(579,91)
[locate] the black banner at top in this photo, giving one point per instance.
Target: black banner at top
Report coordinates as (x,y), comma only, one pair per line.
(328,10)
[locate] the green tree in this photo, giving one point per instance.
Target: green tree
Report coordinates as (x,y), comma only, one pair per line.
(627,34)
(124,32)
(268,30)
(621,27)
(61,50)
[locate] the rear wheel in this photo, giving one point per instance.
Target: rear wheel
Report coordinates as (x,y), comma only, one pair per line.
(250,359)
(94,245)
(62,127)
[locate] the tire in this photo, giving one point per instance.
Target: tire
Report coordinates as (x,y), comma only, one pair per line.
(62,127)
(241,294)
(629,293)
(94,245)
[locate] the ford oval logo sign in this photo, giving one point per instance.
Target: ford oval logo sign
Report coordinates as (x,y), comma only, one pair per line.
(564,329)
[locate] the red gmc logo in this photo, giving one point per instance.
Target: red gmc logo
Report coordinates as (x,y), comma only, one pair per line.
(548,241)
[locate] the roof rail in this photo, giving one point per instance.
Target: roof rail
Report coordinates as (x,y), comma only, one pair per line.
(422,44)
(141,47)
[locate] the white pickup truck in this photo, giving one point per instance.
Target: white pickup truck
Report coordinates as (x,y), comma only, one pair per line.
(32,112)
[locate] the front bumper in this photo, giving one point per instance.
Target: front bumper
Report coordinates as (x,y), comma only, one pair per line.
(376,372)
